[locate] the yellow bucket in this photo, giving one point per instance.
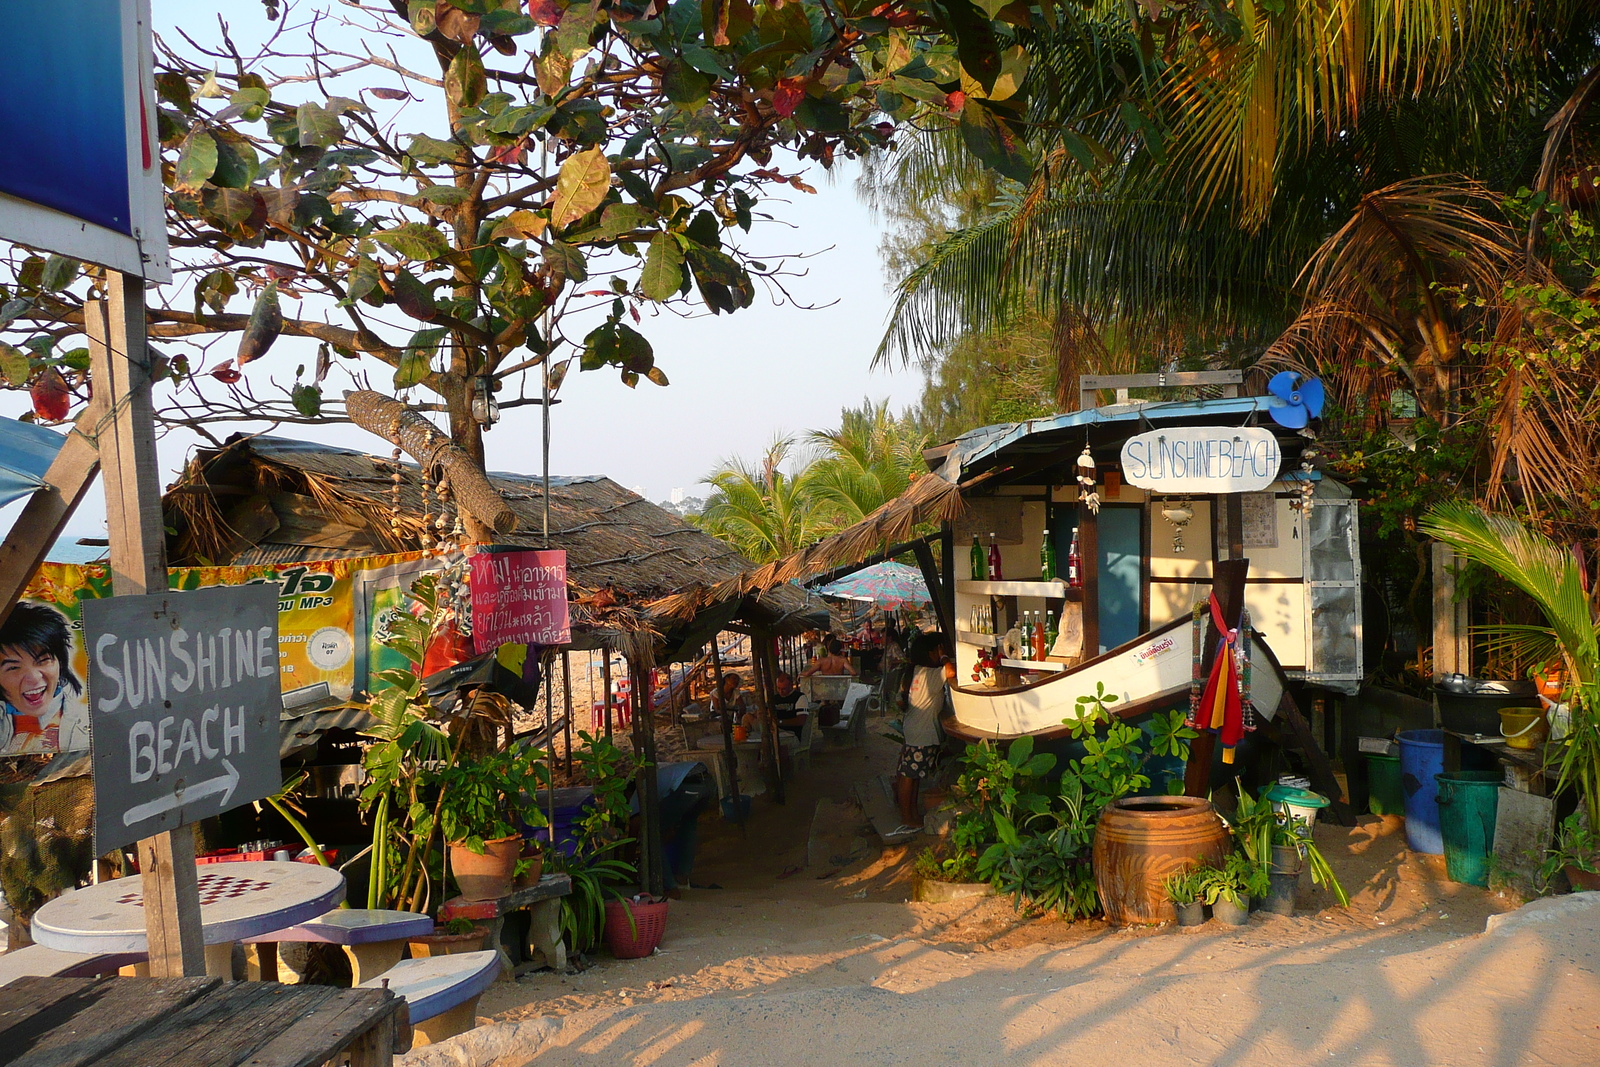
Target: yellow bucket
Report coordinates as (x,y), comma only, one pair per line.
(1524,727)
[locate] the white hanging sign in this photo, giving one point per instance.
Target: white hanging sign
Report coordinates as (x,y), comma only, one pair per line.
(1202,459)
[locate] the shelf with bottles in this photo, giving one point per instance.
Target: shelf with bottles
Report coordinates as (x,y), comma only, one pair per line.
(1033,665)
(967,637)
(1057,590)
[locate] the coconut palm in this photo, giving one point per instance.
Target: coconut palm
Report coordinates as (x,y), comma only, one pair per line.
(761,509)
(872,457)
(1552,577)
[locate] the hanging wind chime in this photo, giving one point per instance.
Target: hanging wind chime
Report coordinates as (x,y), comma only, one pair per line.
(1086,481)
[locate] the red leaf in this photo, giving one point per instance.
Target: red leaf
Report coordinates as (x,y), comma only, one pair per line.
(507,154)
(545,12)
(955,101)
(226,372)
(391,94)
(787,96)
(51,398)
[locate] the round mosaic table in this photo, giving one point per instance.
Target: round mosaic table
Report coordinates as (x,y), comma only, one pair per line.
(237,901)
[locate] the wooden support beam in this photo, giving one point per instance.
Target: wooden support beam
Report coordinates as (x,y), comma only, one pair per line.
(1089,385)
(1229,587)
(728,751)
(120,367)
(930,575)
(51,507)
(1089,565)
(1233,510)
(1452,648)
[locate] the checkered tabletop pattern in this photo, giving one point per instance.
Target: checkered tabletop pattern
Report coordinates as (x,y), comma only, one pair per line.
(237,902)
(213,887)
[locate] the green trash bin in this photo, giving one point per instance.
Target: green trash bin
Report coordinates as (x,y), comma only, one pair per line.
(1385,796)
(1468,804)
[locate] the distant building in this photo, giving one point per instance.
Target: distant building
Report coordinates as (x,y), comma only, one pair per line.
(677,496)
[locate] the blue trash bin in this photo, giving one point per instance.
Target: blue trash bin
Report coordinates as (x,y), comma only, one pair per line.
(1421,758)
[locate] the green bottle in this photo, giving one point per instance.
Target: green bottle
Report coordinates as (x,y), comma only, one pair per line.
(980,562)
(1047,557)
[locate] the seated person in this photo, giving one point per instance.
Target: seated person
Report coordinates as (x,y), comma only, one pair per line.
(830,662)
(789,704)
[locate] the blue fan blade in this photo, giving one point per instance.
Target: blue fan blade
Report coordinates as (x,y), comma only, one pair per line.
(1281,385)
(1312,394)
(1289,416)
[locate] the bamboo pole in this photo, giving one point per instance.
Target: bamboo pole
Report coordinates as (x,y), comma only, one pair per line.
(605,688)
(727,728)
(566,685)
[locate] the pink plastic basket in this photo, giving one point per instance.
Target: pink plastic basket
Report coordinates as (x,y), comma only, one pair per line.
(640,938)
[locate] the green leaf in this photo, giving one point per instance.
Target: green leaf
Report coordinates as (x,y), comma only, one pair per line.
(317,127)
(263,327)
(465,82)
(443,195)
(414,297)
(58,273)
(993,141)
(237,164)
(14,365)
(663,268)
(252,102)
(417,361)
(584,180)
(431,150)
(565,261)
(686,86)
(706,61)
(422,16)
(363,279)
(619,219)
(414,240)
(197,161)
(307,400)
(976,44)
(507,23)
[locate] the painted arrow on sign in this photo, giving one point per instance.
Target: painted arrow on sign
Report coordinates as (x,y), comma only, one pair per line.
(222,783)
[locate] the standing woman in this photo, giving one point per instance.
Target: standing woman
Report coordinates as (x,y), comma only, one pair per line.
(929,670)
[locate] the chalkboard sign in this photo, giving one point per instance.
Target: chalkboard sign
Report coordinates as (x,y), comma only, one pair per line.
(184,705)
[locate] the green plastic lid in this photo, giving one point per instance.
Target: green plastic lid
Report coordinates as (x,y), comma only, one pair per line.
(1300,798)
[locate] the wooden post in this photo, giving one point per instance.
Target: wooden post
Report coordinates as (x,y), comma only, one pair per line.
(760,681)
(1089,569)
(728,752)
(1229,587)
(1233,509)
(566,688)
(1452,651)
(120,367)
(930,576)
(651,875)
(605,688)
(947,558)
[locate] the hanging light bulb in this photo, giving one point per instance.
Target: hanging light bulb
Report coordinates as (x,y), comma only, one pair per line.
(485,409)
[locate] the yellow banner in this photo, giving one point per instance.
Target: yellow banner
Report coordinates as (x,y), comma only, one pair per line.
(330,616)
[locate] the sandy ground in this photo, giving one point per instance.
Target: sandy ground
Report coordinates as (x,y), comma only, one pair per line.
(831,964)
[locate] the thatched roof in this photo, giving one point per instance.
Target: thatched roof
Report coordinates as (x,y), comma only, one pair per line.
(270,500)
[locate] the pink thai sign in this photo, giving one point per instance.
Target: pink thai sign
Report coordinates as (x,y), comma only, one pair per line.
(519,598)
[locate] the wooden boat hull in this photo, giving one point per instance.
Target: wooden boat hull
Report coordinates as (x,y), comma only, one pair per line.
(1149,673)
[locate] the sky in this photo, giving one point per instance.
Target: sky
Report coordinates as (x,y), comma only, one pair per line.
(738,381)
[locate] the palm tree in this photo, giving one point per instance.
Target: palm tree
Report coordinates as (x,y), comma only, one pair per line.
(763,511)
(872,457)
(1553,577)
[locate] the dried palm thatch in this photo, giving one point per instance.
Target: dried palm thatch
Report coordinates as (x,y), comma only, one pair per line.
(932,498)
(268,500)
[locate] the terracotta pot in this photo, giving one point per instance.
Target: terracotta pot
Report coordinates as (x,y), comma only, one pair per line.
(1582,881)
(1140,842)
(441,943)
(485,877)
(531,876)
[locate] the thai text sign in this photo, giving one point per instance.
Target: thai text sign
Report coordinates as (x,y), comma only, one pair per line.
(183,707)
(519,598)
(1202,459)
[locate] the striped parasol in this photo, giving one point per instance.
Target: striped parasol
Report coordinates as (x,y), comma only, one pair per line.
(888,585)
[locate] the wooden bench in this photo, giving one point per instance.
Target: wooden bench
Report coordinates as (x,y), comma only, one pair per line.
(40,962)
(196,1022)
(542,947)
(441,991)
(373,938)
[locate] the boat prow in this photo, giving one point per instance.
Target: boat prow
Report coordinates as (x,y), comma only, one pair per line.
(1150,673)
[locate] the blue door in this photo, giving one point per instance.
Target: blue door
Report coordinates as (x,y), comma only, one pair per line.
(1121,562)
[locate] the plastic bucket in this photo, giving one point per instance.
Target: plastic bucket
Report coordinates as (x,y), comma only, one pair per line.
(1523,727)
(1299,804)
(1384,794)
(1421,759)
(1468,803)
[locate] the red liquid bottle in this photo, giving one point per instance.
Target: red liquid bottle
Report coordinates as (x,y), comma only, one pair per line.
(1074,563)
(994,560)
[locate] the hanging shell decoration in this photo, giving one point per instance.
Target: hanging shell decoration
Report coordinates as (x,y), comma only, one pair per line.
(1178,513)
(1086,481)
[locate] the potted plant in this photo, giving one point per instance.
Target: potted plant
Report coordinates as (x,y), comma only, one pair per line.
(483,802)
(945,873)
(1229,889)
(530,866)
(1575,855)
(1554,578)
(1281,846)
(634,926)
(1187,889)
(599,873)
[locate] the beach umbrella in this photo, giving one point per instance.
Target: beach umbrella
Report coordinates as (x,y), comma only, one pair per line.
(26,452)
(889,585)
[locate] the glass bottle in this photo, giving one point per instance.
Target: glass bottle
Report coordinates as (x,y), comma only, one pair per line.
(980,563)
(994,560)
(1074,562)
(1052,629)
(1047,557)
(1039,649)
